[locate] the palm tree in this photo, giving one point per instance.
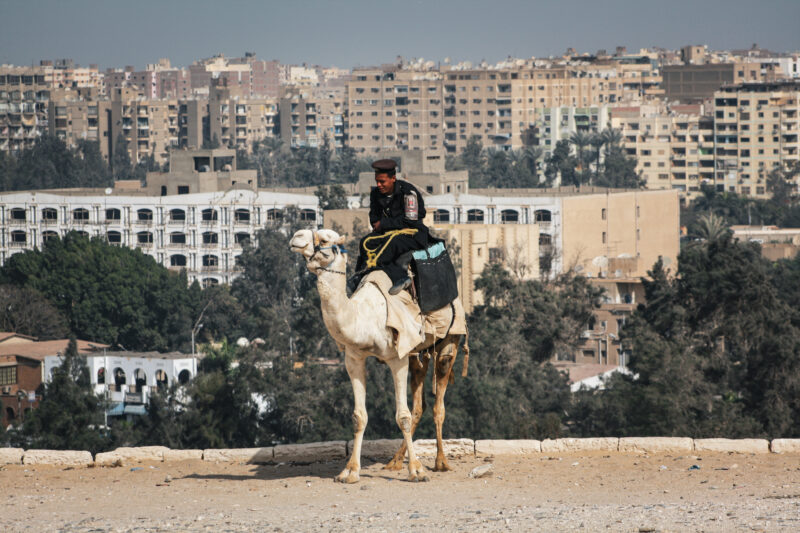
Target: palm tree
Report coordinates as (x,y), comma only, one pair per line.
(580,141)
(711,227)
(597,140)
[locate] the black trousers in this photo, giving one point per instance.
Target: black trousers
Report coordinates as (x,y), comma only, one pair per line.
(388,258)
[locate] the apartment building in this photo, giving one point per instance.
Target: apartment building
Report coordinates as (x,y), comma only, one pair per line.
(307,117)
(254,77)
(77,114)
(554,124)
(410,108)
(673,145)
(24,93)
(756,129)
(236,119)
(197,217)
(693,83)
(149,127)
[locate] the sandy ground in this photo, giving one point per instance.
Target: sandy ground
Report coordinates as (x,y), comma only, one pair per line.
(568,492)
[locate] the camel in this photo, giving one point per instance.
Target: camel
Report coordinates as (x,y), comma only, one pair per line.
(358,324)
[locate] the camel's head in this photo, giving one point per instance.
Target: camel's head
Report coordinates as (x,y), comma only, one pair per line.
(319,248)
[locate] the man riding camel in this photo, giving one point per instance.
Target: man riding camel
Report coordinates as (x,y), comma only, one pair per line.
(396,211)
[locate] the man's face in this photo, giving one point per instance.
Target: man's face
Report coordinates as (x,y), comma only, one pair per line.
(385,183)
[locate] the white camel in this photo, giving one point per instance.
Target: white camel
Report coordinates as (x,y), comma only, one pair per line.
(359,324)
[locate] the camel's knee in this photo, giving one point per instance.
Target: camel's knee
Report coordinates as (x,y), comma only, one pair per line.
(444,364)
(438,412)
(403,419)
(359,420)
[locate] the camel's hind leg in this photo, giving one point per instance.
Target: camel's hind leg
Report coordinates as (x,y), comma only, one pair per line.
(443,372)
(356,369)
(418,372)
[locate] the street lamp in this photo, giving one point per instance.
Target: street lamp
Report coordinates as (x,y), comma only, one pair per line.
(198,324)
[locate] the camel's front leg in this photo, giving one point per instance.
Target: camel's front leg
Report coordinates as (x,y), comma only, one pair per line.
(418,372)
(358,378)
(399,368)
(442,371)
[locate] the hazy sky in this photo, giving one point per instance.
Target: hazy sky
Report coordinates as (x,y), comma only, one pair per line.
(348,33)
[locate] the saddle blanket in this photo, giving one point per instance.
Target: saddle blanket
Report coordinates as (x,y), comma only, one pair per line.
(412,327)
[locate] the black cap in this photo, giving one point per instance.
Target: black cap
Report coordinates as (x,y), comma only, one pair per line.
(384,165)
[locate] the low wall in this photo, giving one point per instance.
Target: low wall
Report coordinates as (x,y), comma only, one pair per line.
(384,449)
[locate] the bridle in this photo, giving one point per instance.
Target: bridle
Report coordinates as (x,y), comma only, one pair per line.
(337,249)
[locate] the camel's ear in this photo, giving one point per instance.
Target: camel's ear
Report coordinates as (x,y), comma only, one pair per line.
(316,238)
(341,240)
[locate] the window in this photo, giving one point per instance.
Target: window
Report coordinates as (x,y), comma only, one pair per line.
(441,215)
(177,215)
(475,216)
(509,216)
(177,238)
(177,260)
(114,237)
(49,235)
(144,237)
(49,214)
(604,237)
(545,239)
(183,189)
(144,215)
(308,215)
(8,375)
(209,237)
(18,214)
(241,238)
(603,213)
(18,237)
(80,215)
(113,214)
(241,216)
(542,215)
(210,261)
(209,215)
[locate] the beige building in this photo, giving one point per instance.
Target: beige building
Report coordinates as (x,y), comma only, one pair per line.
(236,119)
(24,93)
(413,108)
(673,145)
(756,129)
(150,127)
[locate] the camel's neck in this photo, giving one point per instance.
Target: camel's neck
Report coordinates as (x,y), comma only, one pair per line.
(338,311)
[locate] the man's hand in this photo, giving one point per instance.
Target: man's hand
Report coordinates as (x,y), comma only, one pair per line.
(377,225)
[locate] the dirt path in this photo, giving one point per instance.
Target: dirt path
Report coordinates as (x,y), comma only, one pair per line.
(568,492)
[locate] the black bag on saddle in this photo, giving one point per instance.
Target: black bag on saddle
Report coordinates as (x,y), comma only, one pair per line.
(435,278)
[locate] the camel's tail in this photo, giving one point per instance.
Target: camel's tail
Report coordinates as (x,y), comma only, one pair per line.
(466,354)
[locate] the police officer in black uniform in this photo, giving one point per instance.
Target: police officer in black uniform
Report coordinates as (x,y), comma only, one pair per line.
(393,205)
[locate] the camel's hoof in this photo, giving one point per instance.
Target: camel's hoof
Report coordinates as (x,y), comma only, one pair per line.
(347,476)
(417,477)
(393,465)
(442,467)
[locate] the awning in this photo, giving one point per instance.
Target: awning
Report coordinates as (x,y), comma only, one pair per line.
(135,410)
(118,409)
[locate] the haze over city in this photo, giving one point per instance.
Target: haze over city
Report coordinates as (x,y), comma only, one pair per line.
(362,32)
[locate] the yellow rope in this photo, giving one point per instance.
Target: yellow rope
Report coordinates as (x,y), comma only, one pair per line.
(374,253)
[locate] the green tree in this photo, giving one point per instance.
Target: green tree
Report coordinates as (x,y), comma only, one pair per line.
(333,197)
(121,165)
(70,414)
(109,294)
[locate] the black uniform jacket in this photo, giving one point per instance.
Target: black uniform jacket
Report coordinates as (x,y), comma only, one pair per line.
(390,210)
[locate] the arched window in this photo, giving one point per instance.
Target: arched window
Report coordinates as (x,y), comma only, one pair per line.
(49,236)
(509,216)
(209,237)
(144,215)
(441,215)
(82,233)
(241,216)
(209,215)
(17,214)
(210,261)
(542,215)
(210,282)
(80,215)
(184,377)
(475,216)
(242,238)
(144,237)
(101,376)
(49,214)
(113,214)
(162,382)
(10,416)
(177,238)
(177,260)
(119,376)
(274,214)
(545,239)
(308,215)
(18,237)
(177,215)
(140,377)
(114,237)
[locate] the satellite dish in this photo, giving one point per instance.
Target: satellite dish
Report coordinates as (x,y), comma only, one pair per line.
(625,256)
(618,273)
(600,261)
(108,190)
(666,261)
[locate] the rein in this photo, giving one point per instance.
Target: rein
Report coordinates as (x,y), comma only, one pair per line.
(337,249)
